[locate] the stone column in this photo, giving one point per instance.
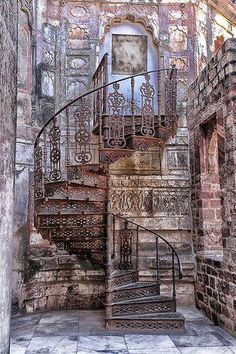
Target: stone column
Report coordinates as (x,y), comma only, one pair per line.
(8,72)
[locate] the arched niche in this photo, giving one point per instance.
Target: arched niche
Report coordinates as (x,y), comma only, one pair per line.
(138,36)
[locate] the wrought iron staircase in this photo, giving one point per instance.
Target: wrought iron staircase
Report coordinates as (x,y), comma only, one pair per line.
(132,305)
(73,152)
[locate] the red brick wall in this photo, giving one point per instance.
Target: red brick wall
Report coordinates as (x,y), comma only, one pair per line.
(212,100)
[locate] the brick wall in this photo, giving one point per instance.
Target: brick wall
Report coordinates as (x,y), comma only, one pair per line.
(211,121)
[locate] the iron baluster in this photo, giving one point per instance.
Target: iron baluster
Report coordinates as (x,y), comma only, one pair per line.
(38,172)
(147,110)
(55,152)
(105,82)
(45,157)
(67,137)
(173,276)
(125,247)
(108,241)
(99,115)
(82,134)
(159,97)
(133,105)
(137,248)
(173,97)
(116,132)
(114,237)
(157,261)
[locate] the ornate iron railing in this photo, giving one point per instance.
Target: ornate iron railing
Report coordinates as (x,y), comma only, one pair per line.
(124,240)
(100,78)
(142,105)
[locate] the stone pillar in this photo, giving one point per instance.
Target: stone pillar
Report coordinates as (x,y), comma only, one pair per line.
(8,57)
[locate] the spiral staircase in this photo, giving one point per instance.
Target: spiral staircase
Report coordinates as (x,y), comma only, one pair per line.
(73,153)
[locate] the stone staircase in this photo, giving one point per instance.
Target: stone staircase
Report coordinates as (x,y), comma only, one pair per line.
(72,200)
(133,305)
(72,214)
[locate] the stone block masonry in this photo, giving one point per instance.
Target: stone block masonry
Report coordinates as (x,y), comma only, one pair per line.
(8,52)
(211,120)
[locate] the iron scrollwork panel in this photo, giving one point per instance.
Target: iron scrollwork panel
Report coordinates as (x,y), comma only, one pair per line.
(116,104)
(38,174)
(147,110)
(126,247)
(55,152)
(82,134)
(170,98)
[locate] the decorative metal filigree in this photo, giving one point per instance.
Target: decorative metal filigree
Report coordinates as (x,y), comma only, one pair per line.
(170,98)
(134,308)
(125,248)
(134,293)
(55,153)
(147,110)
(38,172)
(116,104)
(82,134)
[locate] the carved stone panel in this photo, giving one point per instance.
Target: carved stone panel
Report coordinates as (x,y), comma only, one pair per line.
(174,202)
(133,200)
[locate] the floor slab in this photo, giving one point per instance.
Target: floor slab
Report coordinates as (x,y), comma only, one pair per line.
(83,332)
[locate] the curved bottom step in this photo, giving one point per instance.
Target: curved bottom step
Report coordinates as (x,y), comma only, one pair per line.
(171,322)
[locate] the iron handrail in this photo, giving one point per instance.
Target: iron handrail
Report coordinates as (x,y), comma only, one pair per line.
(102,62)
(94,90)
(158,236)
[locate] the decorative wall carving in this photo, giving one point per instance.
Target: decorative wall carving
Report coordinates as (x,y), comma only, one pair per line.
(174,202)
(48,57)
(171,202)
(148,182)
(79,11)
(178,38)
(131,200)
(147,15)
(181,63)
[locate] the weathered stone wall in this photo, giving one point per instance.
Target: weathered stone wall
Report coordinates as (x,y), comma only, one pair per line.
(212,113)
(64,55)
(153,190)
(24,153)
(8,60)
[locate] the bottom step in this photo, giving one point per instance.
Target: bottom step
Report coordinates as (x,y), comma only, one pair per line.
(171,322)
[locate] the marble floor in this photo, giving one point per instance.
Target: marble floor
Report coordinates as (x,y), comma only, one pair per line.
(82,332)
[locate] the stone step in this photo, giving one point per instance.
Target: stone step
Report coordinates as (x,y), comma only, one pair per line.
(120,278)
(132,291)
(79,220)
(92,175)
(145,305)
(66,207)
(72,233)
(74,191)
(85,244)
(170,322)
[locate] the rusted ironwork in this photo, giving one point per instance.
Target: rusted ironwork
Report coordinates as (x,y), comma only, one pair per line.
(127,117)
(82,134)
(55,152)
(147,109)
(125,247)
(116,102)
(38,172)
